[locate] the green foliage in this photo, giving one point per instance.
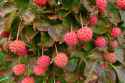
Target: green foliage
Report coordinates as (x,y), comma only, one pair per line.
(42,28)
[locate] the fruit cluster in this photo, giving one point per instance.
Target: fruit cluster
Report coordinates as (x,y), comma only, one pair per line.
(76,39)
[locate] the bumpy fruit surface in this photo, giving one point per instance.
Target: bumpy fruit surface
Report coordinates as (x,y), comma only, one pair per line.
(39,70)
(18,47)
(103,65)
(19,69)
(40,3)
(4,34)
(116,31)
(58,81)
(44,61)
(85,34)
(61,60)
(93,20)
(101,5)
(114,44)
(28,80)
(71,38)
(100,42)
(120,4)
(110,57)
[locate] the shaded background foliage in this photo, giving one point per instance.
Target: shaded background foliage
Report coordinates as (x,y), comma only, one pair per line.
(46,26)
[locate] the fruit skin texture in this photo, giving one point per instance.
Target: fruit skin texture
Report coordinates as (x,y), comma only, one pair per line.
(70,38)
(61,60)
(101,5)
(100,42)
(114,44)
(103,65)
(19,69)
(39,70)
(40,3)
(110,57)
(93,20)
(28,80)
(116,31)
(4,34)
(58,81)
(120,4)
(85,34)
(18,47)
(44,61)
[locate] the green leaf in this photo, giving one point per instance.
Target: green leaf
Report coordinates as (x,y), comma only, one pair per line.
(119,54)
(122,14)
(22,4)
(122,26)
(121,74)
(81,67)
(107,76)
(9,20)
(72,65)
(101,27)
(88,46)
(113,14)
(70,19)
(46,40)
(112,7)
(70,3)
(14,27)
(4,78)
(2,54)
(28,33)
(53,34)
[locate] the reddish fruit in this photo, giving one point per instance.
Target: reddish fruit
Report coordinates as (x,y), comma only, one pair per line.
(61,60)
(110,57)
(120,4)
(44,61)
(71,38)
(101,5)
(40,3)
(39,70)
(116,31)
(2,73)
(28,80)
(93,20)
(114,44)
(58,81)
(104,66)
(85,34)
(100,42)
(18,47)
(19,69)
(4,34)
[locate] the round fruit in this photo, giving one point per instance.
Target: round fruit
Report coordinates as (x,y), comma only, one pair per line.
(120,4)
(116,31)
(39,70)
(103,65)
(110,57)
(114,44)
(101,5)
(40,3)
(44,61)
(28,80)
(85,34)
(4,34)
(61,60)
(19,69)
(70,38)
(93,20)
(18,47)
(100,42)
